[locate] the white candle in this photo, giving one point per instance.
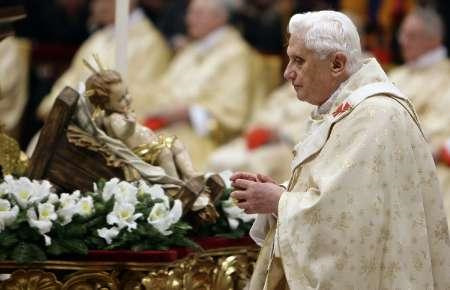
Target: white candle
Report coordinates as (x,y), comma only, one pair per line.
(121,34)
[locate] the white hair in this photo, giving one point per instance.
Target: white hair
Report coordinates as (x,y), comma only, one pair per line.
(227,6)
(431,20)
(326,32)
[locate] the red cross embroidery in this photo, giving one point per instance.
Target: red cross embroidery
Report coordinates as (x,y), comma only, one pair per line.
(341,109)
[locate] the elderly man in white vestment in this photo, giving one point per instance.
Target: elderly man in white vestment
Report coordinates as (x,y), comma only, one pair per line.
(266,144)
(362,208)
(148,56)
(14,64)
(205,93)
(425,79)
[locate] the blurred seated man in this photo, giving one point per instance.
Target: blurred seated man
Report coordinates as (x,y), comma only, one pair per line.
(148,55)
(425,79)
(204,95)
(13,83)
(266,145)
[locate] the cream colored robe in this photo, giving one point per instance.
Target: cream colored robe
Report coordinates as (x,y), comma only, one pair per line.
(148,56)
(429,90)
(363,208)
(283,113)
(218,79)
(14,63)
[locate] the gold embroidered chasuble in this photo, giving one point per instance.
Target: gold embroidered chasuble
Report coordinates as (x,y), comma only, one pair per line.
(429,91)
(148,56)
(14,64)
(284,113)
(216,77)
(364,211)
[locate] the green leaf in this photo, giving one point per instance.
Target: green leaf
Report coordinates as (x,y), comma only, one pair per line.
(30,234)
(55,248)
(21,218)
(4,254)
(101,184)
(8,239)
(74,246)
(182,226)
(26,253)
(76,230)
(96,223)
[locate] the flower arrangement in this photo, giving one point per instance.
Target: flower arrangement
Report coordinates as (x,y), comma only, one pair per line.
(233,222)
(36,223)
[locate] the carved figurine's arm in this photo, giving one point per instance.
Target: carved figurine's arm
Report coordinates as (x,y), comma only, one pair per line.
(119,126)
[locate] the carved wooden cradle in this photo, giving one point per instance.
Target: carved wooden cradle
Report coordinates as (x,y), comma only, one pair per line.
(223,268)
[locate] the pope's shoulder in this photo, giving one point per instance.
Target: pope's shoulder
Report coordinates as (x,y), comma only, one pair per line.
(381,109)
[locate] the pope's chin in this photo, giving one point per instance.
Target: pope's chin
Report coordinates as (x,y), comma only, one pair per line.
(300,96)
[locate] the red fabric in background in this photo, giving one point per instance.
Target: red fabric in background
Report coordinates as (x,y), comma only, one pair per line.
(210,243)
(132,256)
(167,256)
(155,123)
(257,137)
(445,156)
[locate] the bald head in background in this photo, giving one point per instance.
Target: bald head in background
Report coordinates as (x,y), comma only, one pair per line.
(205,16)
(421,32)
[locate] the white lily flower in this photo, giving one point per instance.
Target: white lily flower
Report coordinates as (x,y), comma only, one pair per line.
(4,189)
(53,198)
(27,192)
(109,189)
(162,219)
(47,211)
(43,222)
(123,216)
(85,206)
(42,189)
(6,185)
(126,192)
(22,190)
(108,234)
(7,214)
(156,192)
(234,214)
(68,206)
(121,190)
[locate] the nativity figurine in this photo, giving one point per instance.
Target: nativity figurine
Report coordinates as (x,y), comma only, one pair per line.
(107,125)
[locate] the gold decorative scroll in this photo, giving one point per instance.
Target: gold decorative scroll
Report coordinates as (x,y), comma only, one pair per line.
(224,269)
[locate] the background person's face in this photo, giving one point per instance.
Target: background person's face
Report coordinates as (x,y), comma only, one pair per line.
(202,18)
(414,39)
(309,75)
(102,12)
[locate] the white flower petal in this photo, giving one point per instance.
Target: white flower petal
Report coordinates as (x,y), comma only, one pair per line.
(123,216)
(85,206)
(7,214)
(48,240)
(162,220)
(108,234)
(234,223)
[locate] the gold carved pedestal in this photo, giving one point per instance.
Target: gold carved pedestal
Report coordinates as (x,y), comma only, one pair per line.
(218,269)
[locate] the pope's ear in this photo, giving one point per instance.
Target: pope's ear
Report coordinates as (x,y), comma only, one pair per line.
(338,63)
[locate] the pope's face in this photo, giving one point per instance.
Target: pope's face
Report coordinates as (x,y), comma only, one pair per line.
(119,98)
(309,75)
